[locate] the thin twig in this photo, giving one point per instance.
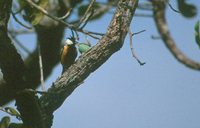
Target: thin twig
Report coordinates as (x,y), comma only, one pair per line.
(10,113)
(66,15)
(145,6)
(41,92)
(138,32)
(143,15)
(18,21)
(172,8)
(2,109)
(41,68)
(131,46)
(13,37)
(155,37)
(92,34)
(18,11)
(87,19)
(16,8)
(31,3)
(88,42)
(84,18)
(19,32)
(77,35)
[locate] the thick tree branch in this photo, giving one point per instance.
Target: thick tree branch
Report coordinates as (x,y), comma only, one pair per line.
(11,63)
(50,38)
(159,17)
(29,108)
(91,60)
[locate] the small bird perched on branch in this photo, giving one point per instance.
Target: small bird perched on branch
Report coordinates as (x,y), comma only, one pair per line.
(68,53)
(82,47)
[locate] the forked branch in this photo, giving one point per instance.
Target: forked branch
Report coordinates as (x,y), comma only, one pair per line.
(91,60)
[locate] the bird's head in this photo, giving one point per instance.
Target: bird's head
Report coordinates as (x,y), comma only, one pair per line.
(70,41)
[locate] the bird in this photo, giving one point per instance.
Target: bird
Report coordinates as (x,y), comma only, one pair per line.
(83,47)
(68,53)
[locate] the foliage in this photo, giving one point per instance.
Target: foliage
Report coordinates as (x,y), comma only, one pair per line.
(186,9)
(6,123)
(12,112)
(82,47)
(33,15)
(197,33)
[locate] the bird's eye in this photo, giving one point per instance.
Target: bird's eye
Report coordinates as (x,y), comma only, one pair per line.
(69,42)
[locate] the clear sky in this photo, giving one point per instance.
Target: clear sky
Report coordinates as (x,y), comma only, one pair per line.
(121,94)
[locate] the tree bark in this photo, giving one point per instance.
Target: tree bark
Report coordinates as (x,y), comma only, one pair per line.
(11,63)
(91,60)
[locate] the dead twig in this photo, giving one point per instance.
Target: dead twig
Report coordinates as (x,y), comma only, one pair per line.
(155,37)
(41,68)
(145,6)
(172,8)
(131,46)
(85,17)
(18,21)
(66,15)
(11,113)
(20,31)
(143,15)
(13,37)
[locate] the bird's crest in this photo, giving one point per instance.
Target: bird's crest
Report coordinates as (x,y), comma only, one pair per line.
(70,41)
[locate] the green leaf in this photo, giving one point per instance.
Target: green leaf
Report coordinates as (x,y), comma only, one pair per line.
(74,3)
(196,27)
(197,33)
(12,111)
(33,15)
(82,9)
(186,9)
(22,3)
(83,48)
(16,125)
(5,121)
(36,15)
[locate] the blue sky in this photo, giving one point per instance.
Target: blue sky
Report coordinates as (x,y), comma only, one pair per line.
(161,94)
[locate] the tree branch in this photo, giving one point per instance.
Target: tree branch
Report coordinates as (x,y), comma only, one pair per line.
(91,60)
(84,17)
(50,38)
(11,63)
(71,26)
(161,23)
